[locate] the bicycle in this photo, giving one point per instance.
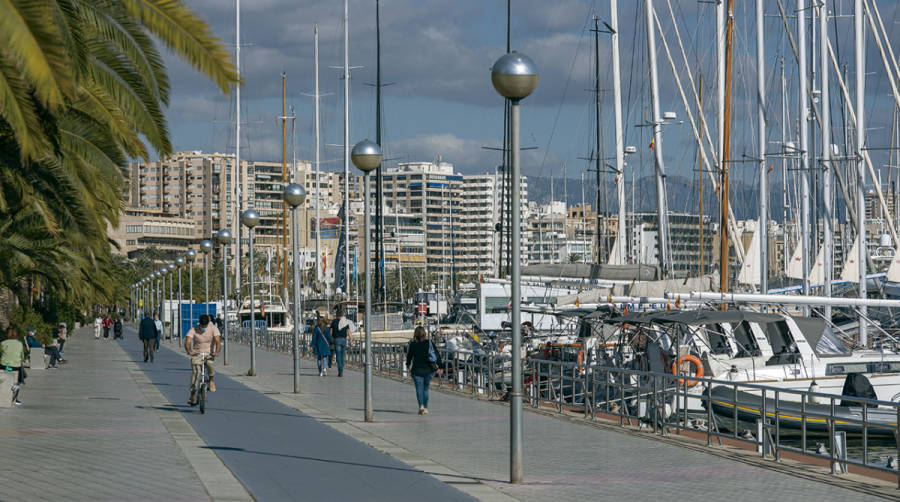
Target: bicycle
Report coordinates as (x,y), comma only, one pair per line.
(203,382)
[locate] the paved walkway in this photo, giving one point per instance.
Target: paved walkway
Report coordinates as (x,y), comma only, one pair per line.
(279,453)
(563,460)
(92,431)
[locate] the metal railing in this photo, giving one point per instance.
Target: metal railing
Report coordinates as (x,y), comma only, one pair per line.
(775,420)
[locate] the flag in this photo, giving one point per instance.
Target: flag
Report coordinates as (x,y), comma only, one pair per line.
(339,257)
(652,142)
(355,253)
(324,261)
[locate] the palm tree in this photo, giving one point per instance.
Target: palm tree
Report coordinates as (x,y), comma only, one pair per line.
(82,88)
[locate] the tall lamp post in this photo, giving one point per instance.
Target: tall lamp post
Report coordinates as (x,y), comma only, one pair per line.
(515,76)
(190,255)
(295,195)
(366,157)
(223,237)
(163,272)
(179,262)
(206,246)
(250,218)
(171,268)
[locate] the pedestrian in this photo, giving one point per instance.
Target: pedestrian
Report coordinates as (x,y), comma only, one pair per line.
(51,351)
(98,326)
(61,336)
(117,326)
(423,361)
(321,339)
(148,334)
(220,323)
(107,323)
(159,330)
(12,357)
(341,327)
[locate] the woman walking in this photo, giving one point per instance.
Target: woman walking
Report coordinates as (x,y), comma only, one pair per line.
(423,361)
(321,340)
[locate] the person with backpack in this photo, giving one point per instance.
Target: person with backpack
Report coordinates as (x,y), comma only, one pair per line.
(321,340)
(12,358)
(423,361)
(341,327)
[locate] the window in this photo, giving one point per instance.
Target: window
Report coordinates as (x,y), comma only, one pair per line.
(844,368)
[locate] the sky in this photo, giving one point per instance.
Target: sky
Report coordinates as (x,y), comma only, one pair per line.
(437,54)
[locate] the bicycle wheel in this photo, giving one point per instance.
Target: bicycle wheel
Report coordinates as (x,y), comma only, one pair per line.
(202,399)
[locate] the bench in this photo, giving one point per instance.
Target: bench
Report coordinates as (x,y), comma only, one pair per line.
(37,358)
(6,394)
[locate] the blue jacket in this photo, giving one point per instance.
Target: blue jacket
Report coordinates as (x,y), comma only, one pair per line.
(32,342)
(321,341)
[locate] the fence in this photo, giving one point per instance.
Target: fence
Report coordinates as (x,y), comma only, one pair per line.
(775,420)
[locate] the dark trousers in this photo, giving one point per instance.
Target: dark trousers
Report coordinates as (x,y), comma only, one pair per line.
(149,344)
(53,352)
(61,342)
(340,348)
(21,373)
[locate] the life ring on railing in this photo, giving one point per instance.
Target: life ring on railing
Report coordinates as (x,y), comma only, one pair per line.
(698,373)
(580,361)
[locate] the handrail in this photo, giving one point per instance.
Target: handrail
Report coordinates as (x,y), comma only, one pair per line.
(655,400)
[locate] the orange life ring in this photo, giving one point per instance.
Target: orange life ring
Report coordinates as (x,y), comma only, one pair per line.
(580,361)
(697,373)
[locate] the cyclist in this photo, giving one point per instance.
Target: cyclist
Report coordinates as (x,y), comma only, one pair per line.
(202,339)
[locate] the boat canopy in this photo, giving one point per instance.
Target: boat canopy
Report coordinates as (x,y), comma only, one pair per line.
(821,337)
(698,317)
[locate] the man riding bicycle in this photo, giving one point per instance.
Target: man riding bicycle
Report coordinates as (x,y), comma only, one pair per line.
(202,343)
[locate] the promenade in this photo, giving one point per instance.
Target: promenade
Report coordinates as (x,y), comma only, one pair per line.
(109,427)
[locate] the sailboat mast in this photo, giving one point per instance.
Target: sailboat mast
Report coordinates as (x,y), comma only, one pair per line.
(827,237)
(661,203)
(700,176)
(236,170)
(620,136)
(859,48)
(346,221)
(726,147)
(284,180)
(763,223)
(379,193)
(597,159)
(786,250)
(802,104)
(318,195)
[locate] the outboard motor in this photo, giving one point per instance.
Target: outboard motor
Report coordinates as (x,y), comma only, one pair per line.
(857,385)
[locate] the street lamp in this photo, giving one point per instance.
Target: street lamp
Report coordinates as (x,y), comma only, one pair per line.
(170,267)
(515,76)
(179,262)
(295,195)
(206,246)
(223,237)
(163,272)
(190,255)
(366,157)
(250,218)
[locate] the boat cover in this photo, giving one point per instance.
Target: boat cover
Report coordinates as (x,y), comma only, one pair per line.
(629,272)
(698,317)
(857,385)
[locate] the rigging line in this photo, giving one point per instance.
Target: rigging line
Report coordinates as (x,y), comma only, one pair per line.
(563,98)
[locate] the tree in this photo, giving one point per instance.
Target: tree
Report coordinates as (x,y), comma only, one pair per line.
(82,88)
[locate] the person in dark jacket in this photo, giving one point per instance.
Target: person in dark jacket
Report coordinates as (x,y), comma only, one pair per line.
(423,361)
(117,327)
(321,341)
(148,334)
(51,351)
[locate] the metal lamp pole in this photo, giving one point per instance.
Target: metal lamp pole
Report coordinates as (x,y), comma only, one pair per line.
(191,255)
(366,157)
(171,268)
(163,272)
(250,218)
(515,76)
(223,237)
(295,195)
(179,262)
(206,246)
